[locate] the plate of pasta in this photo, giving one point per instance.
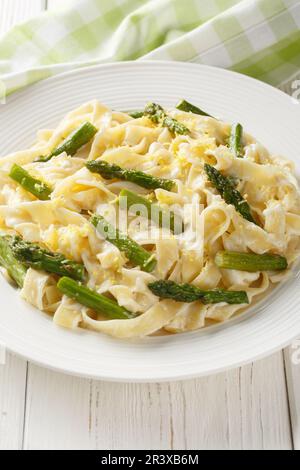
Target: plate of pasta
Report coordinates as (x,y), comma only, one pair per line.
(149,221)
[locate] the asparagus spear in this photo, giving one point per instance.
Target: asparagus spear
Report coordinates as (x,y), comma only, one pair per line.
(158,115)
(235,142)
(250,262)
(109,171)
(135,114)
(74,142)
(133,251)
(162,217)
(92,299)
(34,186)
(155,112)
(189,293)
(228,192)
(32,255)
(187,107)
(14,267)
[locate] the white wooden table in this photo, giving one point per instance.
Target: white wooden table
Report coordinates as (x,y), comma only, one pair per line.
(254,407)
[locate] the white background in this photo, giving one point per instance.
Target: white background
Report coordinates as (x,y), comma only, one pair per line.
(254,407)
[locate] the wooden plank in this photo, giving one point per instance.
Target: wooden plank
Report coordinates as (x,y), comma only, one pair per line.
(241,409)
(264,410)
(15,11)
(12,402)
(55,4)
(292,361)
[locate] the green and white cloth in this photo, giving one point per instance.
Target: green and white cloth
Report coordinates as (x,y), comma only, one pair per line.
(260,38)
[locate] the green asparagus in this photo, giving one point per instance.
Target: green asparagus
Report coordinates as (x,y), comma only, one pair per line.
(91,299)
(34,186)
(14,267)
(137,255)
(235,142)
(73,142)
(250,262)
(228,192)
(159,116)
(189,293)
(162,217)
(187,107)
(32,255)
(110,171)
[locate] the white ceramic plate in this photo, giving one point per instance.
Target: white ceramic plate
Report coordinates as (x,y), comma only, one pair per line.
(272,117)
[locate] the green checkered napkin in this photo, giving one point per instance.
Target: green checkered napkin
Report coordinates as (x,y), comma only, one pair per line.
(260,38)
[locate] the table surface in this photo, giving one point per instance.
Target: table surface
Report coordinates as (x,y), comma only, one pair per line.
(253,407)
